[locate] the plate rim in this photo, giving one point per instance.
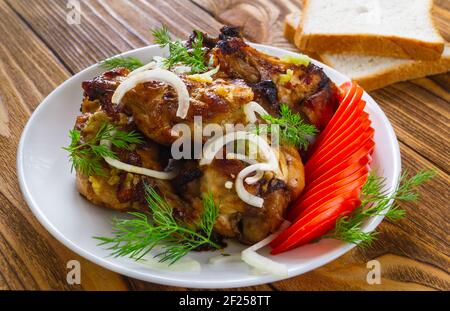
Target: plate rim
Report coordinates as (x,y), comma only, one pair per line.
(121,269)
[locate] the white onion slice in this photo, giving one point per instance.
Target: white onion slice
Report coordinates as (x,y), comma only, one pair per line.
(148,66)
(261,263)
(136,169)
(249,180)
(243,194)
(213,147)
(156,75)
(218,260)
(180,69)
(211,72)
(251,109)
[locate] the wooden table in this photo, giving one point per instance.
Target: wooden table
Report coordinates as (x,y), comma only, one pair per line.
(39,50)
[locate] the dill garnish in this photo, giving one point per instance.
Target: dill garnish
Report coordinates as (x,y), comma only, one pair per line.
(138,236)
(179,53)
(87,156)
(375,201)
(131,63)
(293,131)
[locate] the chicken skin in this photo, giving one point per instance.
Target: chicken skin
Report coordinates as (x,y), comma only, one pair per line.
(238,219)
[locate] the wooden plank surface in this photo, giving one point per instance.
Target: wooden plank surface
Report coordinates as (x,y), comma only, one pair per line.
(39,50)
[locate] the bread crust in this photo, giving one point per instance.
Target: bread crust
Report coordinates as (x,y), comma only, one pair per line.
(396,73)
(368,44)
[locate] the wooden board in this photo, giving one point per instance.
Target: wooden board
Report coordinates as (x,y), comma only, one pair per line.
(39,50)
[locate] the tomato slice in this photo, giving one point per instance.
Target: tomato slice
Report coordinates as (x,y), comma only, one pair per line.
(340,116)
(361,120)
(335,173)
(334,186)
(311,203)
(340,156)
(349,88)
(339,143)
(338,172)
(364,150)
(356,113)
(315,226)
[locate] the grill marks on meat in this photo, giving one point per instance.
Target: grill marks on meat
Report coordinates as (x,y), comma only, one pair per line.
(117,189)
(308,85)
(154,105)
(102,88)
(237,219)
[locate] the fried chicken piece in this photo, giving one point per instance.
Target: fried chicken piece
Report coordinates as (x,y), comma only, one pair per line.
(116,189)
(308,90)
(237,219)
(154,105)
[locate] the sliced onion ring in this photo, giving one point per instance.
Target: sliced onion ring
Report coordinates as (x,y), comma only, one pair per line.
(243,194)
(249,180)
(156,75)
(148,66)
(251,109)
(136,169)
(261,263)
(211,148)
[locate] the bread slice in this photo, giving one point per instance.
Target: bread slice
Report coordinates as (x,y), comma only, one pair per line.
(399,28)
(373,72)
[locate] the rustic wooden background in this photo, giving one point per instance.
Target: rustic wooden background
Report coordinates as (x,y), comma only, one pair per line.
(39,50)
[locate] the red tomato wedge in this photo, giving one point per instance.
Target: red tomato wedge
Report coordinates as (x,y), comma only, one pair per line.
(356,113)
(345,108)
(325,191)
(341,155)
(329,193)
(335,173)
(339,143)
(363,151)
(308,229)
(338,172)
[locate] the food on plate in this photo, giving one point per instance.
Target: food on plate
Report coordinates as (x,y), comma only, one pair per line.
(385,28)
(373,72)
(134,148)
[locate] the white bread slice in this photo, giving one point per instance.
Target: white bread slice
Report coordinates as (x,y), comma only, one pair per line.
(399,28)
(373,72)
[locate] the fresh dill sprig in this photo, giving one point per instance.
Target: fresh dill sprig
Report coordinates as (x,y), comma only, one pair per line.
(87,156)
(131,63)
(292,129)
(179,53)
(136,237)
(375,201)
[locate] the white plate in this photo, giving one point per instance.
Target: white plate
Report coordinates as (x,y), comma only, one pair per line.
(49,189)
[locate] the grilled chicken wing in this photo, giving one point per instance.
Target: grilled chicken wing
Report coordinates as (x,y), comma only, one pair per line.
(154,105)
(308,90)
(118,189)
(237,219)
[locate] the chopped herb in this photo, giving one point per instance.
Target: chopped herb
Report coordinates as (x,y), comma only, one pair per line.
(299,59)
(292,129)
(375,201)
(131,63)
(179,53)
(87,156)
(136,237)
